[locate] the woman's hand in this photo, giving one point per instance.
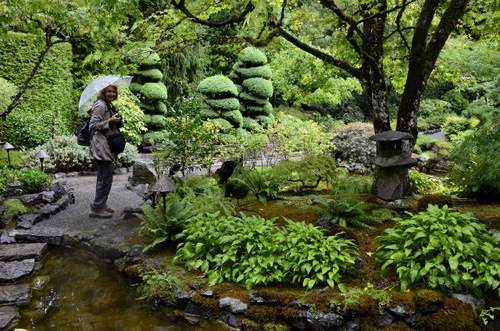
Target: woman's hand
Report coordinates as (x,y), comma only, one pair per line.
(114,119)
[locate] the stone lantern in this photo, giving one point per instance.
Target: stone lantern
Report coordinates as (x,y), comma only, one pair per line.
(390,162)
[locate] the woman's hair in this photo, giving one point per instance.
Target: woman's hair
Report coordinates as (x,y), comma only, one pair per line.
(102,93)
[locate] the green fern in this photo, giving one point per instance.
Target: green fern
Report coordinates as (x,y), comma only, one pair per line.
(262,184)
(343,212)
(165,221)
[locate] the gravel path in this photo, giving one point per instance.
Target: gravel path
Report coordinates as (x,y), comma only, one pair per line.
(76,216)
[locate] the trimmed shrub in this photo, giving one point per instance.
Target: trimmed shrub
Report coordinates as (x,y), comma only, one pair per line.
(250,124)
(224,124)
(264,120)
(433,113)
(150,74)
(154,91)
(252,56)
(216,90)
(455,125)
(261,71)
(251,74)
(227,104)
(7,91)
(249,99)
(481,110)
(217,87)
(208,113)
(135,87)
(158,122)
(234,117)
(259,87)
(161,107)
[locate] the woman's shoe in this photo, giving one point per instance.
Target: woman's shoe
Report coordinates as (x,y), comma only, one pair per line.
(100,214)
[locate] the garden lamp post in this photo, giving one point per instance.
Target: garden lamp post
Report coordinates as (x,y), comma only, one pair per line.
(163,186)
(41,155)
(8,147)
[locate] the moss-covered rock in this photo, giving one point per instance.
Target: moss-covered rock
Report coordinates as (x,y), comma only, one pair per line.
(227,104)
(259,87)
(434,199)
(217,87)
(154,91)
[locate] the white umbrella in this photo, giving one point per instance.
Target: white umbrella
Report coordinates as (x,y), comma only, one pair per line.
(90,93)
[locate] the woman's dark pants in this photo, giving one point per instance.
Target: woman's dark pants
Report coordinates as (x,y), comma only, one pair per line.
(103,185)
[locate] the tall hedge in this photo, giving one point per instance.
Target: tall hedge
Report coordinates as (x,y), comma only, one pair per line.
(148,86)
(47,107)
(221,103)
(252,77)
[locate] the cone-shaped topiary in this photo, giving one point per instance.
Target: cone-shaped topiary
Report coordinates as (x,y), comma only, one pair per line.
(220,98)
(252,75)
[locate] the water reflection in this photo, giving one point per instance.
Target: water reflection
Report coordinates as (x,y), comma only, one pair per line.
(75,291)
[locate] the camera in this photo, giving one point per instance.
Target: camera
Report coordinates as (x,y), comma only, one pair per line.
(121,123)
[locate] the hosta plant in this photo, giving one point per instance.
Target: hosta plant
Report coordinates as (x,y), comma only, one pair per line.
(252,251)
(442,248)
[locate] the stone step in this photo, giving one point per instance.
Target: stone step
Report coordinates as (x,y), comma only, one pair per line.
(11,272)
(8,316)
(17,252)
(14,294)
(52,236)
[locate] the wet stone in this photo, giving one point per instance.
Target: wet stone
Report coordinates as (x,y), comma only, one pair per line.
(14,294)
(474,301)
(8,316)
(16,252)
(28,220)
(13,271)
(235,306)
(320,321)
(208,293)
(401,311)
(51,236)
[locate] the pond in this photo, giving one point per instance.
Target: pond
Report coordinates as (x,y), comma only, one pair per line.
(76,291)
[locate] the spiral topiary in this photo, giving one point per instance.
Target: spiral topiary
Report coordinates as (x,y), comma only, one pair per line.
(221,102)
(147,85)
(252,75)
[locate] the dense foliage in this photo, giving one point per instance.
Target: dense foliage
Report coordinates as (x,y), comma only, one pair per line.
(252,251)
(443,249)
(476,160)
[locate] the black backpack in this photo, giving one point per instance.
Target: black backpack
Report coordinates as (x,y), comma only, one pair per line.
(83,134)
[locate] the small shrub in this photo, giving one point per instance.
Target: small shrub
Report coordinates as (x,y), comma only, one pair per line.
(159,285)
(33,179)
(252,251)
(456,100)
(439,200)
(442,248)
(65,155)
(127,157)
(433,114)
(347,184)
(308,172)
(455,125)
(421,183)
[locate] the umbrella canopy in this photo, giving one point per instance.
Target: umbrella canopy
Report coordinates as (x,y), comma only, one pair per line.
(90,93)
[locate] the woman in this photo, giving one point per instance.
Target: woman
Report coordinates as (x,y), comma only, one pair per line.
(103,123)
